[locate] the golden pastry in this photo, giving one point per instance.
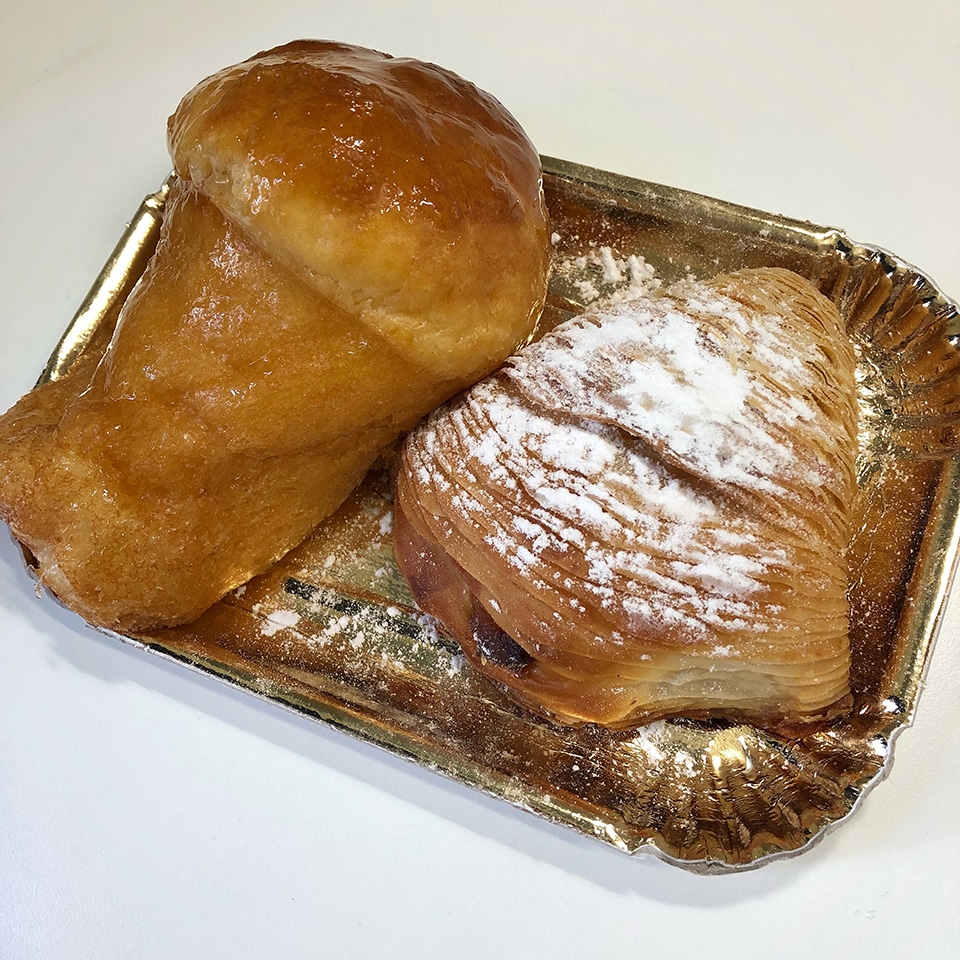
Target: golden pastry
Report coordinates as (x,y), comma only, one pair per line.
(351,239)
(645,513)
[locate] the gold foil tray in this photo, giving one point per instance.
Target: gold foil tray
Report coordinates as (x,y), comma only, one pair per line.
(331,630)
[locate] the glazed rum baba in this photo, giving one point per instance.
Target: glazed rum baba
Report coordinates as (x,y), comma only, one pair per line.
(350,239)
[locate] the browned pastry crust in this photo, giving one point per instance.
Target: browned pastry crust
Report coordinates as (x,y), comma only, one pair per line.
(646,513)
(352,239)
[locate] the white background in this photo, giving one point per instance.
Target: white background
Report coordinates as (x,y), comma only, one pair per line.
(147,812)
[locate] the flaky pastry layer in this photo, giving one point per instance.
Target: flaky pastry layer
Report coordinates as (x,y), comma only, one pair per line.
(646,513)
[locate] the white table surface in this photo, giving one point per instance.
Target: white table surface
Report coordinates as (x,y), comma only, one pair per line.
(149,812)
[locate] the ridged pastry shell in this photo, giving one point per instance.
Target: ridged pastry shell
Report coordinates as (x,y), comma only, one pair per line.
(645,513)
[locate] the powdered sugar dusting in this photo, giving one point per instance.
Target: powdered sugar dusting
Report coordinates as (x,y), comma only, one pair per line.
(277,620)
(607,448)
(578,484)
(602,275)
(654,370)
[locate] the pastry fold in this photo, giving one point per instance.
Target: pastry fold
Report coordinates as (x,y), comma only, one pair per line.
(350,240)
(645,513)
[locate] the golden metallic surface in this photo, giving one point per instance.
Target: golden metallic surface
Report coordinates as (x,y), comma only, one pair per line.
(116,280)
(331,630)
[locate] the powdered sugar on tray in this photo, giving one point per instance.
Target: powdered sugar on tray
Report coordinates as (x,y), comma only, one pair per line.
(603,275)
(276,620)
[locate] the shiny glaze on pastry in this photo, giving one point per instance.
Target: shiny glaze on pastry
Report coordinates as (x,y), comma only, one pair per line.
(351,239)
